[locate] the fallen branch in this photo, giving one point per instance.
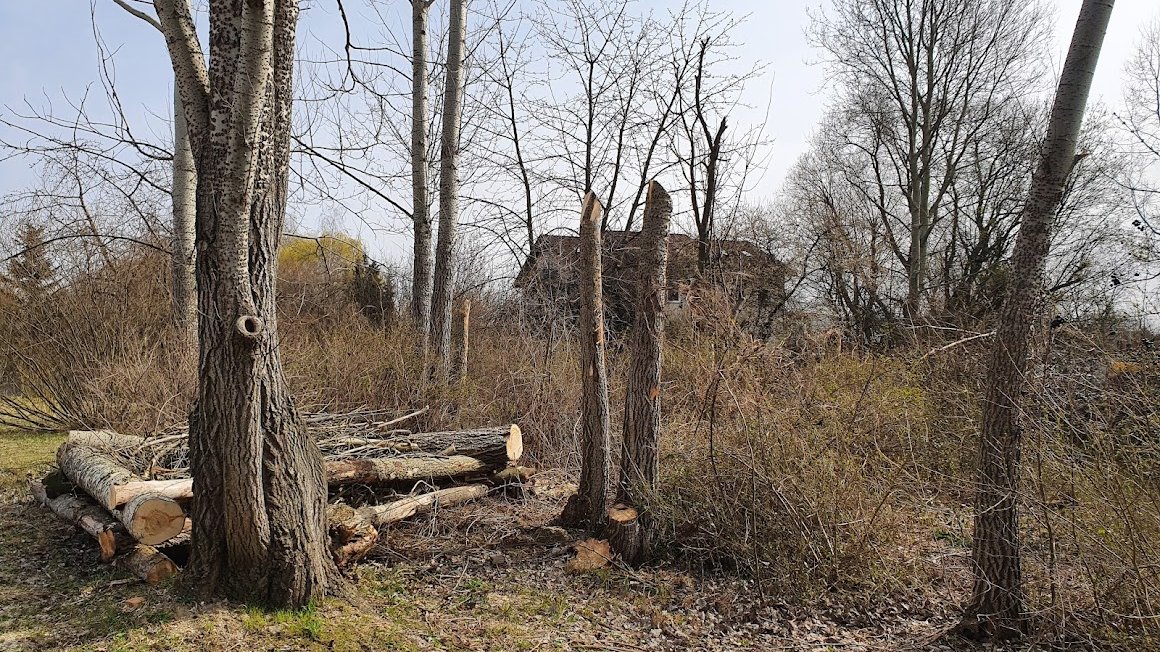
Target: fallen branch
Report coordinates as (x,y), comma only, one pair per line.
(383,515)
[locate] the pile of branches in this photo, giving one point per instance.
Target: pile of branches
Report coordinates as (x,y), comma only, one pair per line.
(131,493)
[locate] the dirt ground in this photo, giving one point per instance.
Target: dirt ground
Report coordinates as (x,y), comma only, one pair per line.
(485,576)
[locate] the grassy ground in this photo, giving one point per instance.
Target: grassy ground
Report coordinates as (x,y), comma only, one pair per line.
(471,579)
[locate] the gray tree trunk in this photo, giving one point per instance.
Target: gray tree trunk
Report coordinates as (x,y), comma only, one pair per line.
(184,193)
(996,607)
(422,280)
(587,508)
(642,399)
(448,190)
(259,521)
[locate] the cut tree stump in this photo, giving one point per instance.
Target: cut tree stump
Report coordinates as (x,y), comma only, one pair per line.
(149,564)
(99,524)
(397,469)
(153,519)
(383,515)
(625,536)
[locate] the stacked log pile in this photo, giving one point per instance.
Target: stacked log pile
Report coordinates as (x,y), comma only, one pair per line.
(131,493)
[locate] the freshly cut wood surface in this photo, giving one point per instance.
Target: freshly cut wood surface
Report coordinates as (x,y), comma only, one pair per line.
(383,515)
(625,535)
(153,519)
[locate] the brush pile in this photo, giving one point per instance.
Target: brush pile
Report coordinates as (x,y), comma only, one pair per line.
(131,493)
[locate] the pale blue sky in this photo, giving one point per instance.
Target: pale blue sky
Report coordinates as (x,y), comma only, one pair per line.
(47,52)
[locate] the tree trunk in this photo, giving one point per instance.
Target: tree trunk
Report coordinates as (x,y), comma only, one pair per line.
(587,507)
(184,193)
(464,340)
(92,470)
(259,521)
(996,607)
(448,190)
(421,281)
(642,417)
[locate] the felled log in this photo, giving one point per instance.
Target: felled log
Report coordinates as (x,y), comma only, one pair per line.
(153,519)
(179,489)
(351,535)
(383,515)
(395,469)
(149,564)
(625,535)
(99,524)
(513,475)
(495,446)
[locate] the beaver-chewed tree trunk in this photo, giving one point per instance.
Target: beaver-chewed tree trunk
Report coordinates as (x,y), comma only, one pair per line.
(996,607)
(587,507)
(642,398)
(259,521)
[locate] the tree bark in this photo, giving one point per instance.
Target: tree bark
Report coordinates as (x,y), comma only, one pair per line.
(464,340)
(380,470)
(383,515)
(422,280)
(587,507)
(184,195)
(92,470)
(109,533)
(448,190)
(642,417)
(996,607)
(259,522)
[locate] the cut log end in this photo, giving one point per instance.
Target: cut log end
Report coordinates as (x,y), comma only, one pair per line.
(515,443)
(153,519)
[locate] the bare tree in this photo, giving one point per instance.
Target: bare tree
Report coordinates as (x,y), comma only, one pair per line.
(443,297)
(422,279)
(996,606)
(920,83)
(259,524)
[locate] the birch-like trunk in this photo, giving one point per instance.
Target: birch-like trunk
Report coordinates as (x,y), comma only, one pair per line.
(448,190)
(259,522)
(422,280)
(996,607)
(184,194)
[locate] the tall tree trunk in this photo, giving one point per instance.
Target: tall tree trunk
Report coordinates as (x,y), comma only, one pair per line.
(642,399)
(422,280)
(587,508)
(259,523)
(448,189)
(184,194)
(996,607)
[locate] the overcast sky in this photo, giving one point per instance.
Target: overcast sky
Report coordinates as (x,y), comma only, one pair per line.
(47,52)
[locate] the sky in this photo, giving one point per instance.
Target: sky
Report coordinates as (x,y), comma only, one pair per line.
(48,54)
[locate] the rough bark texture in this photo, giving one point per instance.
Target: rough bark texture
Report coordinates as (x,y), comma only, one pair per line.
(588,506)
(92,470)
(259,522)
(464,340)
(149,564)
(642,399)
(402,469)
(109,533)
(996,607)
(383,515)
(421,279)
(448,190)
(624,532)
(153,519)
(184,194)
